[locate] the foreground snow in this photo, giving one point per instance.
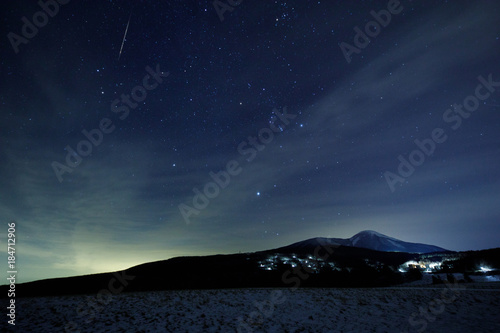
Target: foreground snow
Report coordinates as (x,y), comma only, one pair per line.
(469,308)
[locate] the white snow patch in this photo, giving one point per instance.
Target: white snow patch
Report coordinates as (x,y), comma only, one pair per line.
(396,244)
(301,310)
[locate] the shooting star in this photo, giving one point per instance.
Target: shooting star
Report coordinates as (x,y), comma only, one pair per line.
(124,36)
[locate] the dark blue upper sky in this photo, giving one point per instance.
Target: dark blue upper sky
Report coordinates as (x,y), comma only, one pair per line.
(283,121)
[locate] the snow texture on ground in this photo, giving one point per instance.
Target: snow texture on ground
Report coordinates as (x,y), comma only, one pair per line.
(467,308)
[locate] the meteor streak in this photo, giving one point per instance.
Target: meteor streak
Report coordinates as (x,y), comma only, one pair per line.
(124,36)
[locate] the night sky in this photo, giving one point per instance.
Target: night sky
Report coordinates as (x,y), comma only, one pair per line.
(269,107)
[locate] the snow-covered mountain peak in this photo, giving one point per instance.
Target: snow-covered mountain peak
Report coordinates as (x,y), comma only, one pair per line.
(374,240)
(369,239)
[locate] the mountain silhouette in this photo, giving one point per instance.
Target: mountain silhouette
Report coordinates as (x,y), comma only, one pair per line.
(368,239)
(367,259)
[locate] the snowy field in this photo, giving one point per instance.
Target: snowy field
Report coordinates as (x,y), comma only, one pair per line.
(474,307)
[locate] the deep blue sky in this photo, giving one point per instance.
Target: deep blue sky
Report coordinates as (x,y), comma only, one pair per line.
(322,173)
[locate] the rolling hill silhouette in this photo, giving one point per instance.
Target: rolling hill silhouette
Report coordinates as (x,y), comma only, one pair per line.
(319,262)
